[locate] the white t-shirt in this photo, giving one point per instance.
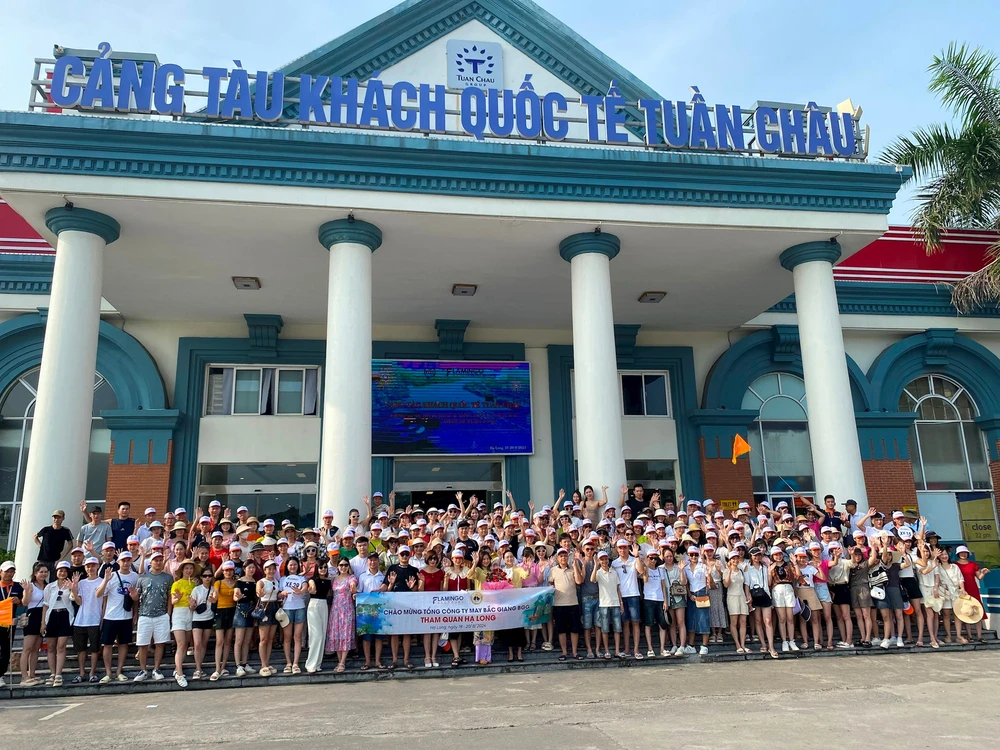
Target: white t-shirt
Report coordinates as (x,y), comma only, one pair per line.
(115,593)
(628,580)
(200,596)
(653,590)
(607,588)
(808,573)
(293,600)
(88,615)
(359,564)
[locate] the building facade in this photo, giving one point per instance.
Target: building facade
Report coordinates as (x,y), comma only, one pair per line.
(292,315)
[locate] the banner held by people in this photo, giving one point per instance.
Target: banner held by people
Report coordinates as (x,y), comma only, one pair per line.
(452,611)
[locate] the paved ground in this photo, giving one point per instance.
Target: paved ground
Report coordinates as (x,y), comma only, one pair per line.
(948,700)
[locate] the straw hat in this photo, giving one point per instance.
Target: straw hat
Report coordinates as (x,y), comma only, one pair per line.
(968,610)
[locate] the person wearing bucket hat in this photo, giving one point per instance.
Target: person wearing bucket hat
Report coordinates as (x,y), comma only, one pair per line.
(972,574)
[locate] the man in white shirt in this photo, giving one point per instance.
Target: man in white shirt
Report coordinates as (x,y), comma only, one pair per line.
(143,531)
(369,581)
(87,623)
(629,567)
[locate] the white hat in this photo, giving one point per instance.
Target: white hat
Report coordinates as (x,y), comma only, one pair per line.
(376,493)
(88,561)
(776,551)
(405,548)
(155,555)
(63,564)
(269,562)
(8,565)
(215,504)
(961,548)
(156,525)
(745,505)
(132,540)
(235,546)
(178,511)
(327,514)
(228,565)
(621,543)
(216,534)
(108,545)
(148,511)
(204,519)
(897,514)
(243,509)
(800,551)
(268,522)
(601,554)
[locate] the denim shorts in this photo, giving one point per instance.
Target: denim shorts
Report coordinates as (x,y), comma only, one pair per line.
(609,619)
(822,591)
(631,613)
(653,614)
(590,607)
(295,616)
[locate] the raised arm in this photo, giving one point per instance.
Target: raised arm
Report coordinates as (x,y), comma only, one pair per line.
(368,506)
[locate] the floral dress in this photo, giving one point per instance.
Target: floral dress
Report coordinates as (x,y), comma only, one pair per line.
(340,633)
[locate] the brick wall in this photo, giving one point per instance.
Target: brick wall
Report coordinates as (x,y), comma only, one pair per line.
(723,480)
(889,483)
(143,485)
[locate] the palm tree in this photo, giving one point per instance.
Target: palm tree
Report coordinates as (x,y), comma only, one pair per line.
(959,167)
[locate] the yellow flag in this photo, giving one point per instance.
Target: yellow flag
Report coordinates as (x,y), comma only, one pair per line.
(740,446)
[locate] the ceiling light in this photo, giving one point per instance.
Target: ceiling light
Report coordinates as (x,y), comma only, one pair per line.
(246,282)
(300,475)
(429,492)
(651,298)
(436,468)
(463,290)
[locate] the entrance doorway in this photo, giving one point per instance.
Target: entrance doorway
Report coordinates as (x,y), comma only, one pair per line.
(434,482)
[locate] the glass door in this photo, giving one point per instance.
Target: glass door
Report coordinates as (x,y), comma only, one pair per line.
(434,482)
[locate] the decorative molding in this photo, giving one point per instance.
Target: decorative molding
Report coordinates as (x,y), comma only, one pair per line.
(718,427)
(786,343)
(451,337)
(894,298)
(589,242)
(122,147)
(350,230)
(70,219)
(883,435)
(26,274)
(625,336)
(263,333)
(939,343)
(141,436)
(808,252)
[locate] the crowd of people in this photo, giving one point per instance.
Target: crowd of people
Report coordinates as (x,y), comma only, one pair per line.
(637,579)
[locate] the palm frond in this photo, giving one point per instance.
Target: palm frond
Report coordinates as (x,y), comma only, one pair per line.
(924,149)
(981,288)
(966,80)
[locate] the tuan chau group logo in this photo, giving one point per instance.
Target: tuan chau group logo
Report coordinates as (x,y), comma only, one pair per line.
(477,64)
(476,597)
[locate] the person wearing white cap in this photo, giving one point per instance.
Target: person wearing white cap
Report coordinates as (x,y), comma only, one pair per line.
(328,532)
(399,578)
(58,608)
(152,595)
(143,531)
(610,605)
(972,574)
(87,623)
(182,617)
(293,594)
(629,566)
(13,591)
(339,632)
(116,627)
(780,579)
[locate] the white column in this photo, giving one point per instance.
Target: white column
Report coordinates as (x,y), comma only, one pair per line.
(345,461)
(56,474)
(833,431)
(597,398)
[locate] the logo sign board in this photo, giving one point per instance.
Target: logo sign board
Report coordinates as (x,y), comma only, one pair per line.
(475,105)
(478,64)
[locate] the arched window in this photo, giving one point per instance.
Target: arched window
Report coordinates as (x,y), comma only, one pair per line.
(780,459)
(17,407)
(947,448)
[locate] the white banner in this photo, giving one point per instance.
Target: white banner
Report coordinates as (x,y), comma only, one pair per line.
(452,611)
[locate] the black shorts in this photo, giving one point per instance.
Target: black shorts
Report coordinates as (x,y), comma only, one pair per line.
(202,624)
(34,625)
(653,614)
(224,619)
(567,619)
(87,639)
(58,625)
(841,593)
(116,631)
(911,587)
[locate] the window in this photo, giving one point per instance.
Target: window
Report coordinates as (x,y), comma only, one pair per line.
(262,391)
(780,456)
(946,446)
(644,394)
(17,408)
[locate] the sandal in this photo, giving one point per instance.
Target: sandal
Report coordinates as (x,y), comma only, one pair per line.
(296,669)
(364,668)
(562,658)
(340,668)
(408,666)
(455,663)
(774,654)
(578,657)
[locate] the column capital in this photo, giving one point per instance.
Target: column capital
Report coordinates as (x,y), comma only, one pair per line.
(67,219)
(350,230)
(589,242)
(828,250)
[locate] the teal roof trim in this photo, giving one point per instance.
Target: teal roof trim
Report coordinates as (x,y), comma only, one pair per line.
(894,298)
(56,144)
(412,25)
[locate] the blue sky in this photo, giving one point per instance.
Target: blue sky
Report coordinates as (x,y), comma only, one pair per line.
(875,52)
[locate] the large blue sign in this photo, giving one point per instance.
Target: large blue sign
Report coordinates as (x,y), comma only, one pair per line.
(450,408)
(235,94)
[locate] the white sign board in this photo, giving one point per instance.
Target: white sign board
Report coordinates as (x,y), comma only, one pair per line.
(478,64)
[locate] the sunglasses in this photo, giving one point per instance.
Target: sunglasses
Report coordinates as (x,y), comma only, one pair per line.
(343,565)
(206,575)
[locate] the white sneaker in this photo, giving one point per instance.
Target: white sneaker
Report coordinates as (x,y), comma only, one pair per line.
(157,675)
(876,641)
(240,671)
(784,646)
(143,674)
(249,669)
(899,642)
(703,651)
(2,683)
(792,646)
(650,654)
(664,653)
(886,643)
(689,650)
(181,680)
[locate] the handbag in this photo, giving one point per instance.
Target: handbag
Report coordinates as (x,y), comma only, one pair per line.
(676,588)
(702,602)
(203,607)
(126,598)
